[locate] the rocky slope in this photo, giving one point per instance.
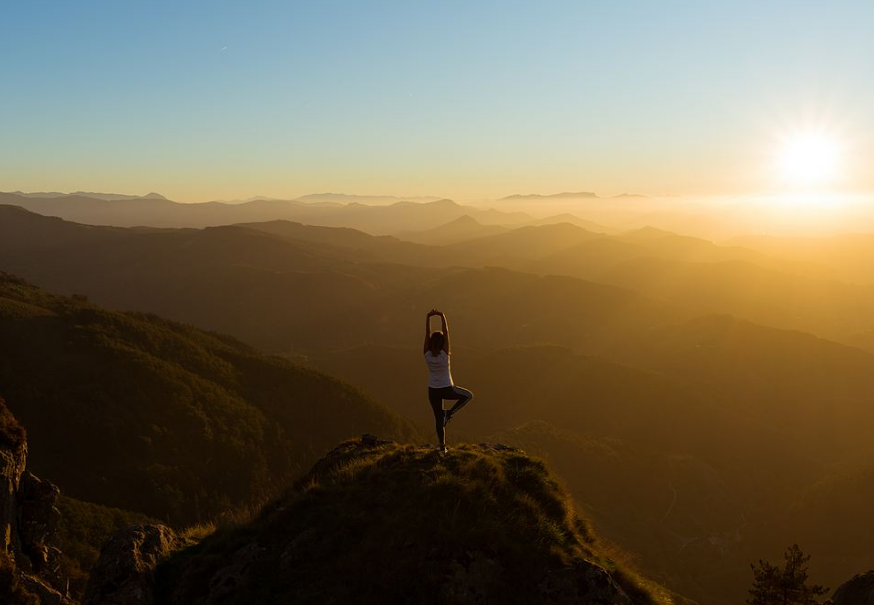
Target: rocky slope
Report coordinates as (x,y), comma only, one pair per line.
(378,522)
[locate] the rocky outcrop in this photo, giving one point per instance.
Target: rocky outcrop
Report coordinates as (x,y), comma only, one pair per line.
(47,595)
(13,458)
(583,583)
(858,591)
(28,518)
(38,518)
(124,573)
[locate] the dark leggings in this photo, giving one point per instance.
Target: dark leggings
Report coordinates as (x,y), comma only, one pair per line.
(436,396)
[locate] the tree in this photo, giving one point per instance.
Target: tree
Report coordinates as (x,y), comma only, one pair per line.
(787,586)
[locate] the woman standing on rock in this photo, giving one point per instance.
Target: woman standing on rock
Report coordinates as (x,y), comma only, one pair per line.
(440,386)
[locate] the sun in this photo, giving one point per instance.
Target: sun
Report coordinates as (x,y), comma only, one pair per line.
(809,159)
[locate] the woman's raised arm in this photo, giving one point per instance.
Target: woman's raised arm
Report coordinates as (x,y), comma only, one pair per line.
(445,331)
(426,346)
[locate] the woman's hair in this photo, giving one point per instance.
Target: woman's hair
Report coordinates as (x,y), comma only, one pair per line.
(435,342)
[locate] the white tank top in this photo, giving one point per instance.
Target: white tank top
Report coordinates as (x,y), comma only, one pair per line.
(438,368)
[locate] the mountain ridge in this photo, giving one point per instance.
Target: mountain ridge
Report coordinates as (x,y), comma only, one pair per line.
(563,195)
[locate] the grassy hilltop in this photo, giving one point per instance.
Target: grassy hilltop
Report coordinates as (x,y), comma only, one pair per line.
(386,523)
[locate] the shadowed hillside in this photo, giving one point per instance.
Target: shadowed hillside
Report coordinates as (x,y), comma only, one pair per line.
(484,524)
(134,411)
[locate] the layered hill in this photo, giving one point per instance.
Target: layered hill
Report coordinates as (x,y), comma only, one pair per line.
(688,272)
(327,272)
(134,411)
(161,212)
(377,522)
(281,289)
(850,256)
(463,228)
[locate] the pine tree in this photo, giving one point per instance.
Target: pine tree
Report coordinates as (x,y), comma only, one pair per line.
(787,586)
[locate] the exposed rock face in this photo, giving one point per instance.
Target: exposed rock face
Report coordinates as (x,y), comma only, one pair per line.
(28,517)
(124,573)
(582,584)
(13,458)
(37,520)
(858,591)
(47,594)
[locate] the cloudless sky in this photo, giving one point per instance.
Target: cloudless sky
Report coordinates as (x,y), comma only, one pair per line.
(218,99)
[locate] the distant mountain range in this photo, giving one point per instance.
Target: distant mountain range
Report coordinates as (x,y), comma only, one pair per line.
(91,194)
(467,228)
(160,212)
(347,198)
(566,195)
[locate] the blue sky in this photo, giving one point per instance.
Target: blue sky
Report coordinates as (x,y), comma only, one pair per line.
(217,99)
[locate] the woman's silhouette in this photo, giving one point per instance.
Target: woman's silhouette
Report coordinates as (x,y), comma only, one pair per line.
(440,384)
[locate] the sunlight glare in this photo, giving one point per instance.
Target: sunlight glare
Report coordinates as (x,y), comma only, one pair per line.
(808,159)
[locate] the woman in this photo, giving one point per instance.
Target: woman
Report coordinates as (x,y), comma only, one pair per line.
(440,385)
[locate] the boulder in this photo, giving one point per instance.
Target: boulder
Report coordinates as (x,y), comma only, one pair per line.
(124,573)
(858,591)
(38,518)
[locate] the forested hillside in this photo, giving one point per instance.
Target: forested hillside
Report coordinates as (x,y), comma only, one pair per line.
(134,411)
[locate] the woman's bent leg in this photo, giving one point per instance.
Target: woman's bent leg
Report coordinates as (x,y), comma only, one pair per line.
(461,395)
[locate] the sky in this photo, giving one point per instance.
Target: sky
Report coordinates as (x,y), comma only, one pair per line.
(216,99)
